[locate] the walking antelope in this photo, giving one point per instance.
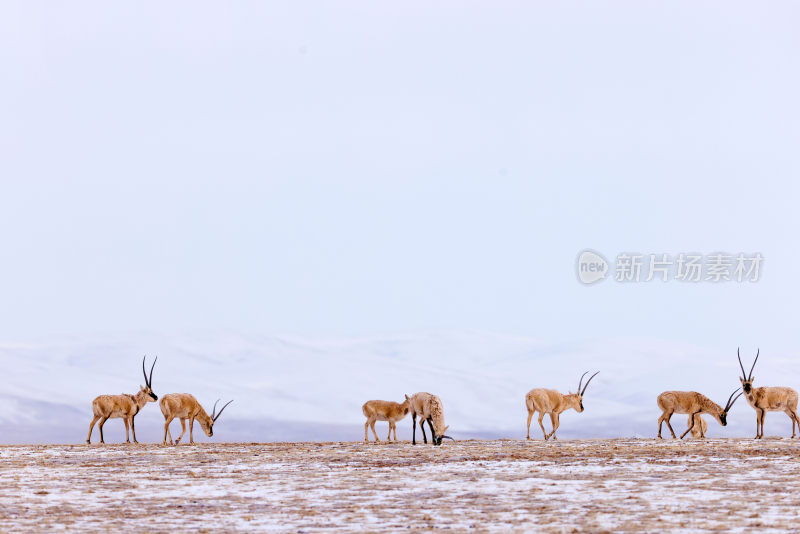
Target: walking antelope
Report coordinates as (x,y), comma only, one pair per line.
(429,408)
(768,399)
(378,410)
(693,404)
(125,406)
(698,430)
(550,401)
(184,406)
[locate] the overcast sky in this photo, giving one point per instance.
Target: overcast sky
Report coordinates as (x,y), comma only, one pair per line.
(358,167)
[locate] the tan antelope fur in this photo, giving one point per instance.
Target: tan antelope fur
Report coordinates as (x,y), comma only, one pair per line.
(550,401)
(429,408)
(184,406)
(768,399)
(379,410)
(124,406)
(699,430)
(693,404)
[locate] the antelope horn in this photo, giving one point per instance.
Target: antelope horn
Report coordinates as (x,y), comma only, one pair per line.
(744,375)
(730,402)
(587,383)
(150,382)
(214,411)
(754,365)
(144,372)
(220,411)
(581,381)
(448,437)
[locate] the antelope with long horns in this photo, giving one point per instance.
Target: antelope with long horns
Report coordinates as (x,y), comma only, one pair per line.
(768,399)
(550,401)
(184,406)
(429,408)
(378,410)
(125,406)
(693,404)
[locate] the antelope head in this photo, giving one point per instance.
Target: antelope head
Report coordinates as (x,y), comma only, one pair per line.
(577,398)
(207,423)
(406,405)
(437,440)
(722,417)
(747,379)
(148,388)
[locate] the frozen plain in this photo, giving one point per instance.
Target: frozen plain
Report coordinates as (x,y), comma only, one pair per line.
(494,485)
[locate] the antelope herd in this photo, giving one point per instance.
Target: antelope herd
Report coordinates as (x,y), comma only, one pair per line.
(181,405)
(430,409)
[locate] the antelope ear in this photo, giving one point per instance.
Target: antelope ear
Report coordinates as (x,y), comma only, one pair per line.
(407,397)
(141,387)
(445,429)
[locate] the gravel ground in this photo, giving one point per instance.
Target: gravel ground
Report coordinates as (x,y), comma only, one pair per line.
(503,485)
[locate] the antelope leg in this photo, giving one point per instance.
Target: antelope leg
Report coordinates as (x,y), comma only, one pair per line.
(692,426)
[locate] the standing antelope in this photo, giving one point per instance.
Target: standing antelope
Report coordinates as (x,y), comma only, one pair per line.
(125,406)
(429,408)
(550,401)
(698,430)
(768,399)
(184,406)
(378,410)
(693,404)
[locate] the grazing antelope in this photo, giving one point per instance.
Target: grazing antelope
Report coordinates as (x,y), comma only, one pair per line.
(429,408)
(768,399)
(125,406)
(693,404)
(699,430)
(550,401)
(378,410)
(184,406)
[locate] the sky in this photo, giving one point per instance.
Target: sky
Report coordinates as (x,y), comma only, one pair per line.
(351,168)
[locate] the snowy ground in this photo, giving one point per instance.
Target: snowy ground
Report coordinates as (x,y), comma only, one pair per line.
(595,485)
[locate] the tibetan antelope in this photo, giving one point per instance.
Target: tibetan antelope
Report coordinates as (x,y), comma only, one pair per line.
(693,404)
(378,410)
(184,406)
(768,399)
(550,401)
(699,430)
(429,408)
(124,406)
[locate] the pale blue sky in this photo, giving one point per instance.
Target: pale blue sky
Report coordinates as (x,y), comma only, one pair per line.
(357,167)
